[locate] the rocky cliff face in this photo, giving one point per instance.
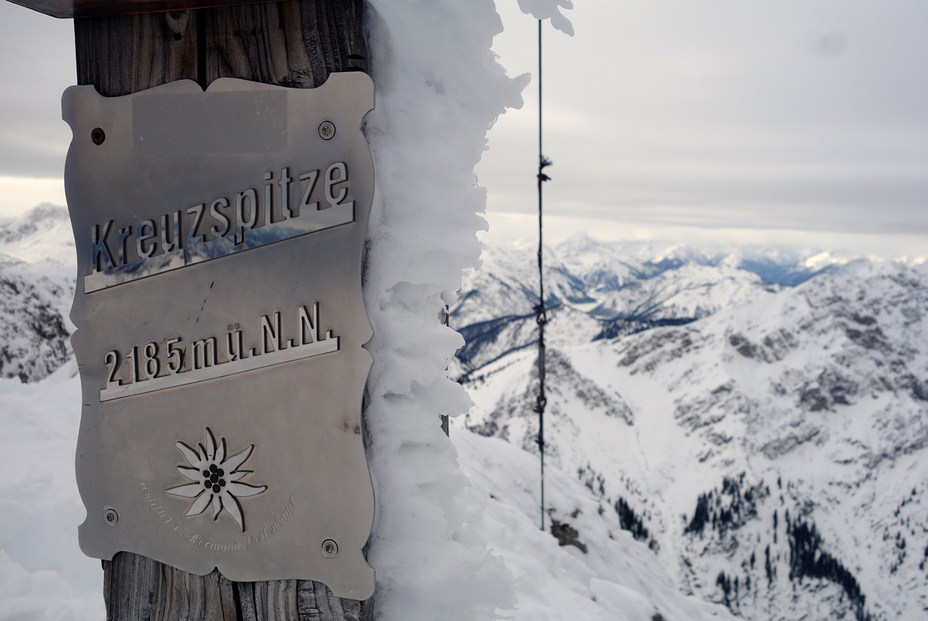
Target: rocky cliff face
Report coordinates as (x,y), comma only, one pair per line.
(774,450)
(36,287)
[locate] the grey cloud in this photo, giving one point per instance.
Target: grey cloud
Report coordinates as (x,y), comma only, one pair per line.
(36,65)
(787,115)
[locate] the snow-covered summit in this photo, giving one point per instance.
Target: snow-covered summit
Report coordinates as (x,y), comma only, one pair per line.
(40,236)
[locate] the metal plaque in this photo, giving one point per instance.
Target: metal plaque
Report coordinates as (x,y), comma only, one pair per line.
(220,326)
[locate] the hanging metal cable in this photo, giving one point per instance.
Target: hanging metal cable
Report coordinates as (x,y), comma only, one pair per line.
(541,317)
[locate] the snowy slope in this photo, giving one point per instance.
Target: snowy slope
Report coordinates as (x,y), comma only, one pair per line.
(43,574)
(36,286)
(582,566)
(774,452)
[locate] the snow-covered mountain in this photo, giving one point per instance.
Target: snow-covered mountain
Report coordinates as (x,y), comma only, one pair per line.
(599,289)
(41,237)
(773,452)
(36,286)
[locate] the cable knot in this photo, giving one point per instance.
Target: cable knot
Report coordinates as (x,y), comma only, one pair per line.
(541,314)
(540,403)
(543,163)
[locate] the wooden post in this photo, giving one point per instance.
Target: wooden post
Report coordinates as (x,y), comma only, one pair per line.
(295,43)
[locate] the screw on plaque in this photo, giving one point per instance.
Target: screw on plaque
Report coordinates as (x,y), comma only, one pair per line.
(329,548)
(327,130)
(110,516)
(97,135)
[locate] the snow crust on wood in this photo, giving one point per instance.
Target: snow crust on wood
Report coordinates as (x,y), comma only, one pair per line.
(550,9)
(439,90)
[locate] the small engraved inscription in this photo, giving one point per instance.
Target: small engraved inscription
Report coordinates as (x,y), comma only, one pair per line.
(273,527)
(197,540)
(175,362)
(155,506)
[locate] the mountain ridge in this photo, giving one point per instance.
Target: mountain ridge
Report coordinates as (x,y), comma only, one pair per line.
(613,288)
(774,443)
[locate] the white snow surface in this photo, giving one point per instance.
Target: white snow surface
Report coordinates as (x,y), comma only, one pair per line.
(43,574)
(807,405)
(548,9)
(439,90)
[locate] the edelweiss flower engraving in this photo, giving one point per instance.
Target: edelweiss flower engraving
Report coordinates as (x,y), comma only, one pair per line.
(217,480)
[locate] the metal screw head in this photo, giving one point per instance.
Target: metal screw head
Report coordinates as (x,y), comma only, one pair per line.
(329,548)
(110,516)
(97,135)
(327,130)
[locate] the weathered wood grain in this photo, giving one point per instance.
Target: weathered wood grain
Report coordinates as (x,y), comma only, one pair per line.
(295,43)
(124,54)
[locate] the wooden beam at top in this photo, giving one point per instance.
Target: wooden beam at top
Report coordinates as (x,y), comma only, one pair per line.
(107,8)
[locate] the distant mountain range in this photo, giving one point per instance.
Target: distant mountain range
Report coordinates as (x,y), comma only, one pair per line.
(759,420)
(597,290)
(41,237)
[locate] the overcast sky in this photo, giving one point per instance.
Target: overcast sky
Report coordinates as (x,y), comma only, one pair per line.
(795,120)
(757,121)
(36,65)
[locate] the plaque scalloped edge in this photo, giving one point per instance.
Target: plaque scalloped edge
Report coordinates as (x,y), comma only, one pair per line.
(219,297)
